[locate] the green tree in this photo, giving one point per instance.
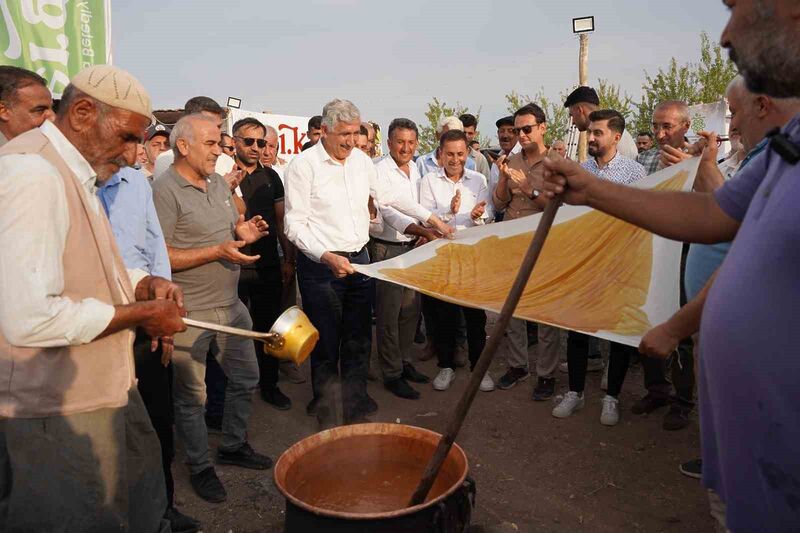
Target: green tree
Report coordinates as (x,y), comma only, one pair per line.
(714,72)
(612,97)
(437,110)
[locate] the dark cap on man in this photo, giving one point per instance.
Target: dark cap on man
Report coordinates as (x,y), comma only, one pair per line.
(156,129)
(582,94)
(505,121)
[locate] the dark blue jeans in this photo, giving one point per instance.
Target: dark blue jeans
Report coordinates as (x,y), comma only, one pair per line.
(341,309)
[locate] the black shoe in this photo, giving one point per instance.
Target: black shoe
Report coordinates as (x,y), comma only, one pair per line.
(207,485)
(400,387)
(180,523)
(544,390)
(419,337)
(412,374)
(676,418)
(648,404)
(692,468)
(245,457)
(276,399)
(214,424)
(512,377)
(311,408)
(368,405)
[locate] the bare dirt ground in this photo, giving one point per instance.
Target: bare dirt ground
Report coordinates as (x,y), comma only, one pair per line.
(533,472)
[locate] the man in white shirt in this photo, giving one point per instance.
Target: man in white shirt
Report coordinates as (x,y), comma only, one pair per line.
(397,307)
(430,161)
(581,103)
(328,188)
(461,197)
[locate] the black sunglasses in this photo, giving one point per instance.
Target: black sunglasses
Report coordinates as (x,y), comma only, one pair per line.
(248,141)
(525,129)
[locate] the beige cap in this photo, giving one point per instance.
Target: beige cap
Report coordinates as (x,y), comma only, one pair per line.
(115,87)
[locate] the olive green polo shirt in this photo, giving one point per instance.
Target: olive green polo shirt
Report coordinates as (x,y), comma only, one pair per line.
(193,218)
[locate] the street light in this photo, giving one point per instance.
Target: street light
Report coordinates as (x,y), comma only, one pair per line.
(583,24)
(234,103)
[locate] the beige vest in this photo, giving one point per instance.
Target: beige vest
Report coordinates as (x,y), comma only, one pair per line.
(41,382)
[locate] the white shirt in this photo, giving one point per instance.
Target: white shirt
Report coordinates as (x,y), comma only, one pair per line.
(627,146)
(436,191)
(494,174)
(225,164)
(326,201)
(34,222)
(394,222)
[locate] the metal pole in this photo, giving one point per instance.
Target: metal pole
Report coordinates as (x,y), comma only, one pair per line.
(583,79)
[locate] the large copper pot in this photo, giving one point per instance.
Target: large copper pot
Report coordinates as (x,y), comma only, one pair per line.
(359,478)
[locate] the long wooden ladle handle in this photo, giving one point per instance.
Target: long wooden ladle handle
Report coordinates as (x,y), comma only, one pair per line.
(257,335)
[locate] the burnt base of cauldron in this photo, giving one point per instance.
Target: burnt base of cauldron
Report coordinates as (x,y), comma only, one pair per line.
(451,515)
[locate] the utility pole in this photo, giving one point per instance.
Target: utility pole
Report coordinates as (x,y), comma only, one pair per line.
(583,79)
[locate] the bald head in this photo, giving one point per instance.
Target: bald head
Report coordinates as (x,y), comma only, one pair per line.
(753,115)
(195,141)
(671,122)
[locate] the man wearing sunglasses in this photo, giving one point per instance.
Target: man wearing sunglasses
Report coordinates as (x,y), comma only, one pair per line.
(261,283)
(226,143)
(520,176)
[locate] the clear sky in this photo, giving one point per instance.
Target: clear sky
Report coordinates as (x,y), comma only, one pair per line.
(392,58)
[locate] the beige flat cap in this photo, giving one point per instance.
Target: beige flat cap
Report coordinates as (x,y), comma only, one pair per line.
(115,87)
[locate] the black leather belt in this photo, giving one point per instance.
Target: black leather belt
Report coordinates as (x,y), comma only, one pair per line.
(392,243)
(350,255)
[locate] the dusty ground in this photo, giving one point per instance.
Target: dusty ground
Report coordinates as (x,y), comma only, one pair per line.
(533,472)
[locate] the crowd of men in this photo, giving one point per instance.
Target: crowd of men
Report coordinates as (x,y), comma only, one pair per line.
(114,228)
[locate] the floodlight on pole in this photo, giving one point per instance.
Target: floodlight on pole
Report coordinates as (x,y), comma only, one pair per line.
(234,103)
(583,24)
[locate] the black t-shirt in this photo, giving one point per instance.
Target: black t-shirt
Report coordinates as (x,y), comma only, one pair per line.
(260,191)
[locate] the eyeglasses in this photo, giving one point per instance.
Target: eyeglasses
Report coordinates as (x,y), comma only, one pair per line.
(248,141)
(525,129)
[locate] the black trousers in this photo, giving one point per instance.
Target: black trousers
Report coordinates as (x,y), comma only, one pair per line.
(261,291)
(341,309)
(446,317)
(155,388)
(578,357)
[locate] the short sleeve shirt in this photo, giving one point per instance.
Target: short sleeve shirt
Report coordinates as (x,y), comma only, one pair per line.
(260,191)
(193,218)
(521,205)
(750,363)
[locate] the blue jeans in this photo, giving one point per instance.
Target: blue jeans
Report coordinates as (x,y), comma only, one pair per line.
(237,357)
(341,309)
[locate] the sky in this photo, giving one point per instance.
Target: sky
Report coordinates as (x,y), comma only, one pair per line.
(392,58)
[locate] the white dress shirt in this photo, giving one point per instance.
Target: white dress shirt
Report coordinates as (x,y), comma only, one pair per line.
(494,173)
(326,201)
(34,222)
(436,191)
(394,222)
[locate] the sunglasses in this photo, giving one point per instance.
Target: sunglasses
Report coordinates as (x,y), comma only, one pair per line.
(248,141)
(525,129)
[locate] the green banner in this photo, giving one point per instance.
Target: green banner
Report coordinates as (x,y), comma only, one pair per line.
(55,38)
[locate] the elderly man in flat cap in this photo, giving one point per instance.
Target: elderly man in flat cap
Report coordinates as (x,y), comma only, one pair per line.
(77,450)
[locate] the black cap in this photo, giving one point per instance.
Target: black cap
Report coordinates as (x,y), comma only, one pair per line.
(505,121)
(156,129)
(582,94)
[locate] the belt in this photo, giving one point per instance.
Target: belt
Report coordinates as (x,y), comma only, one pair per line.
(393,243)
(350,255)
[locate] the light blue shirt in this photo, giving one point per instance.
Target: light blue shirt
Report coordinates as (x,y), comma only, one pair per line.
(620,169)
(128,201)
(427,163)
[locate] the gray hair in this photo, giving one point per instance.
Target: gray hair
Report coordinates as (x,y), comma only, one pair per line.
(679,106)
(270,131)
(340,111)
(184,129)
(559,141)
(451,122)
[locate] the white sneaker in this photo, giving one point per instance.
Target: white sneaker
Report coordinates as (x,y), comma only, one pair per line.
(487,384)
(604,380)
(571,402)
(444,379)
(610,414)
